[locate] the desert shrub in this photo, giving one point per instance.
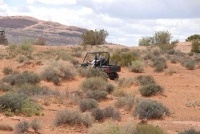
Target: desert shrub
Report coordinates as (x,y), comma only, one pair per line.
(136,66)
(92,72)
(19,79)
(40,41)
(146,41)
(97,113)
(7,70)
(125,102)
(96,37)
(149,129)
(58,70)
(32,90)
(189,64)
(197,58)
(18,103)
(119,92)
(6,127)
(145,80)
(170,71)
(174,59)
(36,125)
(97,95)
(96,83)
(110,112)
(5,87)
(105,128)
(88,104)
(195,46)
(148,109)
(159,64)
(193,37)
(148,55)
(128,128)
(123,58)
(73,118)
(22,127)
(190,131)
(150,89)
(125,82)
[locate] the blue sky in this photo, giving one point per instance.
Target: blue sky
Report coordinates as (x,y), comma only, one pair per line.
(126,21)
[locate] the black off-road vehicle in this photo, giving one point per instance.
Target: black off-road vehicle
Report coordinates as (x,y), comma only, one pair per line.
(100,60)
(3,39)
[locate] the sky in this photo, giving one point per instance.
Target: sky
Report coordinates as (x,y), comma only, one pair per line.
(126,21)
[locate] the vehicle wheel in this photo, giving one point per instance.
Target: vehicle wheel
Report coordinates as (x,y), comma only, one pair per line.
(113,76)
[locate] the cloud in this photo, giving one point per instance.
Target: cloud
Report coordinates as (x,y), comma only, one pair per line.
(52,2)
(146,9)
(126,21)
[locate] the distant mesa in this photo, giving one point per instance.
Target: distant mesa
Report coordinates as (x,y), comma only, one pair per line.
(19,28)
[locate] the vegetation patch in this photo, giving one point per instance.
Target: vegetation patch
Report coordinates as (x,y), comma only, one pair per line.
(72,118)
(58,70)
(136,66)
(151,89)
(125,102)
(19,79)
(148,109)
(149,129)
(145,80)
(88,104)
(18,103)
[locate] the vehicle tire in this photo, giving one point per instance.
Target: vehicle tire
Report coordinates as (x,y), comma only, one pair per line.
(113,76)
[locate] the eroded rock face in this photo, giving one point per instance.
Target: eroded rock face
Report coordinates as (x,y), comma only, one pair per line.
(19,28)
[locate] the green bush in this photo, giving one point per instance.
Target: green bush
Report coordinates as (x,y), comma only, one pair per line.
(5,87)
(125,82)
(125,102)
(145,80)
(18,103)
(57,70)
(149,129)
(119,92)
(110,112)
(136,66)
(36,125)
(193,37)
(123,58)
(22,127)
(189,64)
(195,46)
(150,89)
(190,131)
(146,41)
(92,72)
(148,109)
(96,83)
(88,104)
(97,95)
(7,70)
(72,118)
(32,90)
(128,128)
(98,114)
(105,128)
(94,37)
(159,64)
(19,79)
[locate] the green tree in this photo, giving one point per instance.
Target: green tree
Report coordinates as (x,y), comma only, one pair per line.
(96,37)
(193,37)
(162,37)
(146,41)
(195,46)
